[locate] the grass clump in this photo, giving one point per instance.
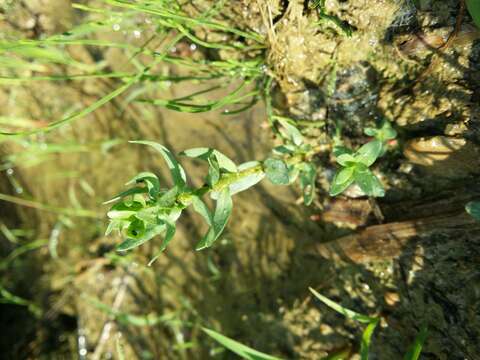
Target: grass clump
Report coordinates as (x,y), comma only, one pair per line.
(170,24)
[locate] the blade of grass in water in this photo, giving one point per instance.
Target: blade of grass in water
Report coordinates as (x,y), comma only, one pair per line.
(8,234)
(97,104)
(4,80)
(36,244)
(367,339)
(54,209)
(178,105)
(201,21)
(56,124)
(416,349)
(17,122)
(350,314)
(371,322)
(241,350)
(7,297)
(124,318)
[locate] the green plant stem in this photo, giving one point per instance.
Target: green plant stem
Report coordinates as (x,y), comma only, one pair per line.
(185,198)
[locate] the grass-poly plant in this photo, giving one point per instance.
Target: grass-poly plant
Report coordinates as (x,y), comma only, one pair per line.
(356,165)
(147,210)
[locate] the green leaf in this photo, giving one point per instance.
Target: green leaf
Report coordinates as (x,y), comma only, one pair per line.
(220,218)
(132,191)
(368,182)
(120,214)
(308,174)
(248,165)
(148,214)
(169,234)
(144,235)
(473,208)
(208,238)
(200,152)
(345,159)
(200,207)
(222,212)
(241,350)
(350,314)
(225,162)
(276,171)
(384,133)
(367,339)
(293,172)
(342,180)
(123,211)
(115,224)
(150,180)
(169,197)
(387,131)
(177,171)
(340,150)
(128,244)
(284,150)
(369,152)
(246,182)
(293,134)
(203,153)
(473,7)
(243,182)
(415,350)
(213,171)
(136,229)
(370,131)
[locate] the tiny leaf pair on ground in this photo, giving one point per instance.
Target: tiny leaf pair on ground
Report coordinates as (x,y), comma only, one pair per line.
(356,165)
(355,168)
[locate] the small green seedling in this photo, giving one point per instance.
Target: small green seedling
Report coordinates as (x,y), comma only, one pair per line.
(372,322)
(241,350)
(356,169)
(383,134)
(147,210)
(356,165)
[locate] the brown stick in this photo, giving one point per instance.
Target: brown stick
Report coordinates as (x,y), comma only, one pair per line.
(386,241)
